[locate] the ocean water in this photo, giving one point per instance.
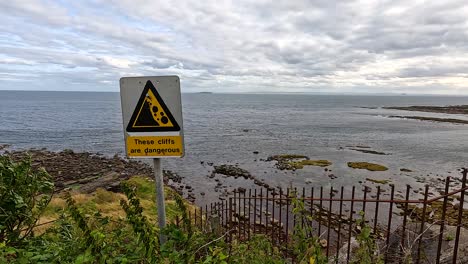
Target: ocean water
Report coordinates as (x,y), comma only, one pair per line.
(228,128)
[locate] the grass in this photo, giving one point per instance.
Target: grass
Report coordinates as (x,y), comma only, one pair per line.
(367,166)
(145,187)
(435,210)
(108,203)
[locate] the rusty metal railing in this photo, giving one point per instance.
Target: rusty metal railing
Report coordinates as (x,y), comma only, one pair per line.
(425,230)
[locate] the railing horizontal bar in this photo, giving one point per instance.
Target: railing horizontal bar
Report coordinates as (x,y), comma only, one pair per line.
(347,200)
(367,200)
(448,194)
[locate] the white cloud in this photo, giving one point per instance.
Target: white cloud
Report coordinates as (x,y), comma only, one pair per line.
(248,46)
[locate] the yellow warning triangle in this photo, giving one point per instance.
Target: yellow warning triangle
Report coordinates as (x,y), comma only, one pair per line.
(151,113)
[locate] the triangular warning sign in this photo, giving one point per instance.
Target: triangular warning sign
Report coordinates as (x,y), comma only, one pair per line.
(151,113)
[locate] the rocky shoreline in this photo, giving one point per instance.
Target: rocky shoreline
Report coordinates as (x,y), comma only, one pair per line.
(86,172)
(433,119)
(450,109)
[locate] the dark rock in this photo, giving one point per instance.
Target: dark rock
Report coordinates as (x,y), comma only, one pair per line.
(241,190)
(405,170)
(230,170)
(429,243)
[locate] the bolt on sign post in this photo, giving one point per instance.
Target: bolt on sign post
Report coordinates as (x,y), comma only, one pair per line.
(152,122)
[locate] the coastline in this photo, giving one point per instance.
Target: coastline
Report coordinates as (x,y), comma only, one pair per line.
(94,181)
(86,172)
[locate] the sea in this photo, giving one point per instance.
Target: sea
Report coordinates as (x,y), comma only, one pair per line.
(245,129)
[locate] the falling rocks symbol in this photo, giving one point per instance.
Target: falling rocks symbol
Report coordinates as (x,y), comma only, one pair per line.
(151,113)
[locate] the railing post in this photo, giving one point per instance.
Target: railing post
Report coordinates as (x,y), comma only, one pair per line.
(312,214)
(442,224)
(280,228)
(329,222)
(350,233)
(287,218)
(244,215)
(273,224)
(339,225)
(423,220)
(405,218)
(389,223)
(261,207)
(249,215)
(238,206)
(230,219)
(376,216)
(460,216)
(266,213)
(320,211)
(255,212)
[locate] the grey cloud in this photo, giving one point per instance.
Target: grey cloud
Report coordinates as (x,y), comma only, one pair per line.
(433,71)
(278,46)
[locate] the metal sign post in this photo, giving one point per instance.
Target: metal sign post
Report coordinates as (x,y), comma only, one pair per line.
(158,176)
(153,128)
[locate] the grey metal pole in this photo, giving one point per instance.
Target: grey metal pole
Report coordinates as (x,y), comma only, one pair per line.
(158,175)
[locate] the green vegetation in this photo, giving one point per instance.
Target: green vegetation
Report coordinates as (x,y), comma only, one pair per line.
(302,163)
(24,197)
(307,249)
(367,166)
(294,161)
(107,227)
(367,252)
(434,213)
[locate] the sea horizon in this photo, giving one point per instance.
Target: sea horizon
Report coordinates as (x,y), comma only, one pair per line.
(230,128)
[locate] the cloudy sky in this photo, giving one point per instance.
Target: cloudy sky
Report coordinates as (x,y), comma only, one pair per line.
(394,46)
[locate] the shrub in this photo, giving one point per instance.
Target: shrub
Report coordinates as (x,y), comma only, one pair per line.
(83,235)
(367,252)
(25,193)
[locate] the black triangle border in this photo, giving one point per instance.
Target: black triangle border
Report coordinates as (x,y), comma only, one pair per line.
(149,86)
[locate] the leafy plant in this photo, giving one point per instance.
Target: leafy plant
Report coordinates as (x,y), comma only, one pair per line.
(25,193)
(142,228)
(81,234)
(367,252)
(306,247)
(257,250)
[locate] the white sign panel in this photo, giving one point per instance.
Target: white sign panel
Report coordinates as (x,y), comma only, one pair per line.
(152,116)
